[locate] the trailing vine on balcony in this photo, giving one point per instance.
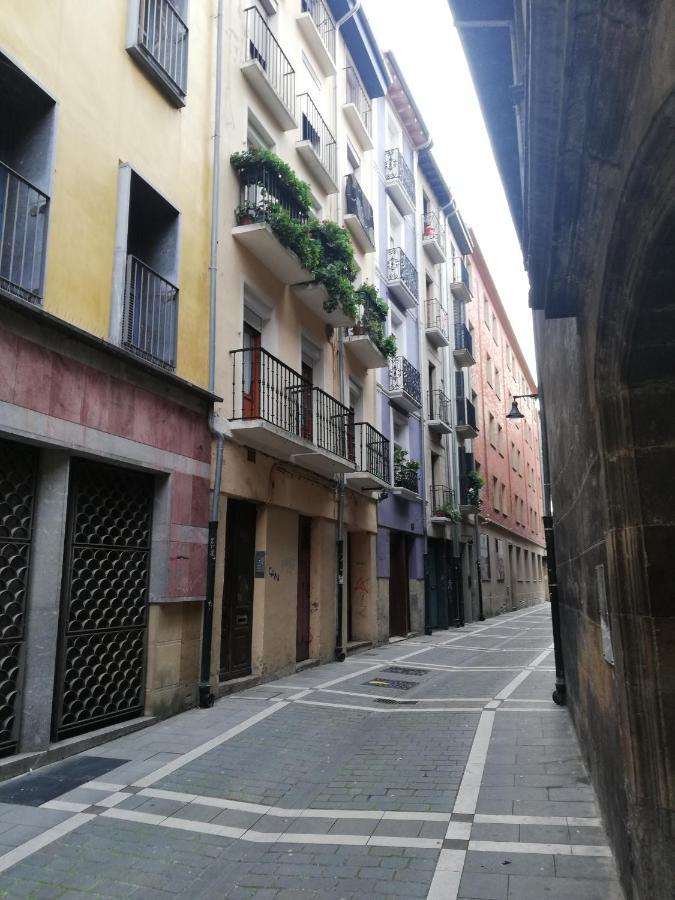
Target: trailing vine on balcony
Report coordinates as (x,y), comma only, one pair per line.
(375,311)
(476,484)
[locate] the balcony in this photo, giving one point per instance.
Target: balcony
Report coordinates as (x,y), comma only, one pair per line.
(433,237)
(371,454)
(439,413)
(402,278)
(406,481)
(463,349)
(469,495)
(313,296)
(150,315)
(357,109)
(399,181)
(442,505)
(364,339)
(318,28)
(459,280)
(404,385)
(259,192)
(268,71)
(465,426)
(437,324)
(275,410)
(358,216)
(317,147)
(161,48)
(23,236)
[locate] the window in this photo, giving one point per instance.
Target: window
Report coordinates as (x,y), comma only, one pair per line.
(492,430)
(494,327)
(489,373)
(508,358)
(256,134)
(513,456)
(158,41)
(311,72)
(516,509)
(500,439)
(499,555)
(486,310)
(498,383)
(485,573)
(495,494)
(505,500)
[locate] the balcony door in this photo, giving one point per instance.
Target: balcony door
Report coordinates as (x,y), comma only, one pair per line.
(303,594)
(251,373)
(399,605)
(237,610)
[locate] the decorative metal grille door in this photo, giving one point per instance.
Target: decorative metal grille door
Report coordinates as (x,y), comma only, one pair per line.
(18,465)
(102,648)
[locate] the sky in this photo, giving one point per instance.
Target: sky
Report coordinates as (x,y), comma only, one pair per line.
(429,53)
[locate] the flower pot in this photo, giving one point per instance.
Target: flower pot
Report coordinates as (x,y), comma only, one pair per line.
(245,220)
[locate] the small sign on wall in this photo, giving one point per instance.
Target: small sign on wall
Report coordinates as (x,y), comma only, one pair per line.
(259,563)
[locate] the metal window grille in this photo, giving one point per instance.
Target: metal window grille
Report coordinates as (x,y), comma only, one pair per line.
(442,500)
(357,205)
(262,46)
(23,232)
(439,406)
(466,412)
(150,314)
(315,130)
(260,190)
(333,425)
(323,21)
(371,451)
(355,93)
(405,477)
(396,168)
(399,268)
(403,376)
(263,387)
(164,35)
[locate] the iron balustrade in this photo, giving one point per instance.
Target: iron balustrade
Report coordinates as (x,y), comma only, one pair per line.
(356,93)
(356,204)
(260,189)
(396,168)
(315,130)
(399,268)
(469,493)
(371,451)
(150,314)
(164,36)
(460,273)
(437,317)
(333,425)
(263,47)
(263,387)
(439,406)
(463,339)
(323,20)
(23,231)
(406,477)
(403,376)
(466,413)
(433,228)
(442,500)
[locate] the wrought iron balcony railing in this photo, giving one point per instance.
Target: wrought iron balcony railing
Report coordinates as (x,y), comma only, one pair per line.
(315,130)
(355,93)
(437,317)
(23,233)
(357,204)
(371,451)
(323,20)
(466,413)
(150,314)
(399,268)
(163,35)
(460,273)
(463,339)
(439,406)
(396,169)
(406,477)
(263,47)
(403,376)
(333,425)
(442,501)
(260,190)
(469,493)
(433,228)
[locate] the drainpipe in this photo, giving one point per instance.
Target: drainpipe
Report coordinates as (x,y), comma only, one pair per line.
(350,12)
(206,698)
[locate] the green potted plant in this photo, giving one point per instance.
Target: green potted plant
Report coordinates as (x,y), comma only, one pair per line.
(476,484)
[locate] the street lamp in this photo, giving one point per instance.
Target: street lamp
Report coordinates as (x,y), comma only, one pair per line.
(515,412)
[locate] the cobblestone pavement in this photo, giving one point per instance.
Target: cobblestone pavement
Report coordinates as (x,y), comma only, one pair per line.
(434,767)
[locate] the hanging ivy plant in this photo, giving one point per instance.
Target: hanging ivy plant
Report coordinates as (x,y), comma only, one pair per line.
(375,311)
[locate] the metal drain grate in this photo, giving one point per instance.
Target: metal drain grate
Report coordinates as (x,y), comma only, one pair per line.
(395,702)
(388,683)
(404,670)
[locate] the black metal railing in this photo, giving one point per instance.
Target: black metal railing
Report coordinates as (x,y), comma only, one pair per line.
(263,387)
(442,501)
(463,339)
(164,36)
(439,406)
(263,47)
(356,93)
(469,492)
(260,190)
(23,232)
(460,273)
(371,451)
(150,314)
(396,169)
(356,204)
(437,317)
(399,268)
(406,477)
(333,425)
(323,20)
(466,413)
(403,376)
(433,228)
(315,130)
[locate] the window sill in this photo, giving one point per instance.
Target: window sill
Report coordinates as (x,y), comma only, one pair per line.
(172,93)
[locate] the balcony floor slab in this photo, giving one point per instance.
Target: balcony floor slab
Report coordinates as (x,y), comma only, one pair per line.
(358,126)
(256,76)
(437,337)
(363,348)
(268,438)
(260,240)
(313,297)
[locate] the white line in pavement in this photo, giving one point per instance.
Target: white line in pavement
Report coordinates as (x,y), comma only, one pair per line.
(196,752)
(467,795)
(499,819)
(417,699)
(448,874)
(393,709)
(549,849)
(7,860)
(65,806)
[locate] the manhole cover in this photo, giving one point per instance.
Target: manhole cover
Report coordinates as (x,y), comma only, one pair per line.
(388,683)
(403,670)
(395,702)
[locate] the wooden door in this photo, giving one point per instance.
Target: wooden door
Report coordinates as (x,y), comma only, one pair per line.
(306,398)
(399,616)
(251,375)
(304,562)
(237,614)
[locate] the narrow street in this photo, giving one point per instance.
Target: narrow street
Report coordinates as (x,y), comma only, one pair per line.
(433,767)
